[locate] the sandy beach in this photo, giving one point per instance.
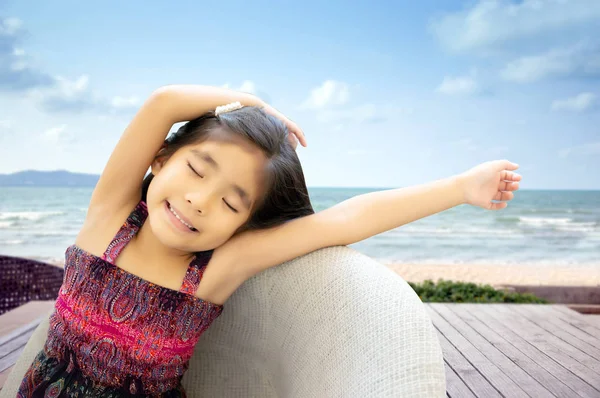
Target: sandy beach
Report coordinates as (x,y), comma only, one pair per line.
(497,275)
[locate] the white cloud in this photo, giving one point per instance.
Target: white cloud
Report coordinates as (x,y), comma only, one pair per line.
(76,95)
(462,85)
(592,148)
(10,26)
(493,23)
(330,102)
(578,103)
(74,88)
(51,93)
(65,94)
(367,113)
(122,102)
(248,86)
(581,59)
(15,72)
(58,135)
(330,93)
(54,132)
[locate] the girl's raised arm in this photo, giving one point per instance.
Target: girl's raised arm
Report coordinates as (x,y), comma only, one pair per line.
(366,215)
(121,180)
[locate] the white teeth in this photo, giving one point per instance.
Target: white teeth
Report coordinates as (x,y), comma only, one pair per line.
(179,218)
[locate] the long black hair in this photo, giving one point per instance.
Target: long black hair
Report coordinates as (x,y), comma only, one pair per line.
(286,195)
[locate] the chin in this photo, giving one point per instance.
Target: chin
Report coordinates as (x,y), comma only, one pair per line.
(165,234)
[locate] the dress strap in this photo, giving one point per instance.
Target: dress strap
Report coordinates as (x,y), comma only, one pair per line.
(129,228)
(195,271)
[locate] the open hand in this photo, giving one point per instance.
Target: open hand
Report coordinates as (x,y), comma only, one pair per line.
(493,180)
(295,133)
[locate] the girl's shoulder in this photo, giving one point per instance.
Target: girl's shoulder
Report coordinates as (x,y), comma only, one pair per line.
(101,224)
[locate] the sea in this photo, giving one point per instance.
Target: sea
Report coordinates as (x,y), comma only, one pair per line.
(539,227)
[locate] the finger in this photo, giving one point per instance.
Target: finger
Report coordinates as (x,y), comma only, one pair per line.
(503,195)
(293,140)
(508,165)
(302,138)
(299,133)
(498,206)
(509,186)
(510,176)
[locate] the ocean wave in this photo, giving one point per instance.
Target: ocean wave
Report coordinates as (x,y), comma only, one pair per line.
(28,215)
(6,224)
(545,220)
(466,231)
(12,242)
(559,210)
(41,234)
(508,219)
(561,224)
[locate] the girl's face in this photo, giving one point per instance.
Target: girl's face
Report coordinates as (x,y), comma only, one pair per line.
(204,193)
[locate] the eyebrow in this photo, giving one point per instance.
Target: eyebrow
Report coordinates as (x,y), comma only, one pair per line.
(213,163)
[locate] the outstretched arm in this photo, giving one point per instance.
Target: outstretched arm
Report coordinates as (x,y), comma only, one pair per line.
(370,214)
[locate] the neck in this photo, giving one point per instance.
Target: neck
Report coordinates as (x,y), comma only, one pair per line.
(154,250)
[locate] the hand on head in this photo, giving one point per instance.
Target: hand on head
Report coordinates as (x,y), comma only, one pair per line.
(296,133)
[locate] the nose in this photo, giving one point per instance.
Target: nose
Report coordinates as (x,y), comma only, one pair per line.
(199,201)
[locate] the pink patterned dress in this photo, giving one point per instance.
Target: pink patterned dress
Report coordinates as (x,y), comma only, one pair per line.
(114,334)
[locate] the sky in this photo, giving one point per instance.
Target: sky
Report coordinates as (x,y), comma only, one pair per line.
(389,94)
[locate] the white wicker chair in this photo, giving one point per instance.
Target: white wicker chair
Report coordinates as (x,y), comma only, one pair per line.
(333,323)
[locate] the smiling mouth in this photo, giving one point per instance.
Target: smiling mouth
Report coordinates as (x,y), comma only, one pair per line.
(190,227)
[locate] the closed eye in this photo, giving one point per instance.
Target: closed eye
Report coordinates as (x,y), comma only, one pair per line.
(228,205)
(195,172)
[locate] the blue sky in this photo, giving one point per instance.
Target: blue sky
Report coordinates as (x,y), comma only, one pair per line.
(390,94)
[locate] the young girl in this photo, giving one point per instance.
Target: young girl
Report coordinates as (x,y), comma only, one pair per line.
(157,257)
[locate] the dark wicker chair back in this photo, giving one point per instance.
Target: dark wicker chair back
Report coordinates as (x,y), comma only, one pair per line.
(23,280)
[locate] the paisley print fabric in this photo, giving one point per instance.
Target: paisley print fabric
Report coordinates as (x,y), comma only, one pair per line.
(114,334)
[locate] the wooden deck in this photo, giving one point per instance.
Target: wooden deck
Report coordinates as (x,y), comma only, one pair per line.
(16,326)
(490,350)
(518,350)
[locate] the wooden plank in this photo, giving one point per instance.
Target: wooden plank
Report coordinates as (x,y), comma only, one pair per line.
(24,314)
(10,359)
(4,375)
(594,320)
(455,387)
(521,378)
(12,344)
(509,332)
(20,330)
(530,359)
(488,369)
(578,320)
(561,352)
(466,371)
(550,320)
(526,312)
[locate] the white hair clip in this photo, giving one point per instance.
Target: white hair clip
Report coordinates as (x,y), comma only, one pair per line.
(228,108)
